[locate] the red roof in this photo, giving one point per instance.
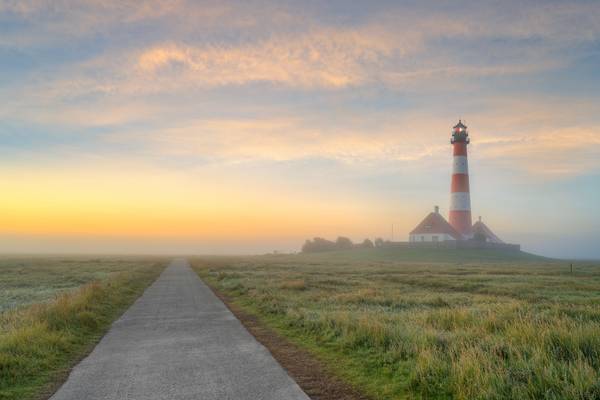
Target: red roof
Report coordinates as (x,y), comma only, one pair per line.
(435,223)
(482,229)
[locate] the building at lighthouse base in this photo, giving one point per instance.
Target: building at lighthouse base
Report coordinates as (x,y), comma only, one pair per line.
(434,228)
(435,231)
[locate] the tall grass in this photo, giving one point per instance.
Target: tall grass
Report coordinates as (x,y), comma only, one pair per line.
(40,342)
(501,330)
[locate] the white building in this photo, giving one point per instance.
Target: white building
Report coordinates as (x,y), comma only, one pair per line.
(434,228)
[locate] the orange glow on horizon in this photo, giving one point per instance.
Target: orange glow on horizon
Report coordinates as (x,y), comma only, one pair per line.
(147,204)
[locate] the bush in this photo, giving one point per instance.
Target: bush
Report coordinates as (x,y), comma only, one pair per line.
(343,243)
(366,244)
(319,244)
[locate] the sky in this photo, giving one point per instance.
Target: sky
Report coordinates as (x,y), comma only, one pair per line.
(172,126)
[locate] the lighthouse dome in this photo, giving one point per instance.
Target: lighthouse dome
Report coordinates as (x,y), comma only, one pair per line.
(460,125)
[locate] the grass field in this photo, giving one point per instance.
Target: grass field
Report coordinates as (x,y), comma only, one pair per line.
(403,324)
(56,309)
(34,279)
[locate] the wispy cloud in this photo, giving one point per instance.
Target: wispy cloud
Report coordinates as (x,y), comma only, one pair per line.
(325,58)
(394,47)
(502,134)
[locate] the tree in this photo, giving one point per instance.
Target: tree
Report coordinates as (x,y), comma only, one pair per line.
(306,247)
(343,243)
(367,244)
(318,244)
(379,242)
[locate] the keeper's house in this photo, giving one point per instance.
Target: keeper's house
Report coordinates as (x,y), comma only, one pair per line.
(434,228)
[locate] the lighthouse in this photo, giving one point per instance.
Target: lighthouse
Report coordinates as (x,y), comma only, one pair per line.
(460,199)
(457,232)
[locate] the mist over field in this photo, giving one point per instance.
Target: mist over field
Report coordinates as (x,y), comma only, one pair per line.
(549,246)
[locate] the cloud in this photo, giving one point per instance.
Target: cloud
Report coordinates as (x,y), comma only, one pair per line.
(552,153)
(558,22)
(503,135)
(550,138)
(396,48)
(285,138)
(44,23)
(520,135)
(402,51)
(325,58)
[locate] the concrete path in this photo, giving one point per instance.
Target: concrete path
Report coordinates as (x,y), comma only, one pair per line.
(179,342)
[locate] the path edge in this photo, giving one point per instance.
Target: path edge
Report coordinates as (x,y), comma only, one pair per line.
(309,373)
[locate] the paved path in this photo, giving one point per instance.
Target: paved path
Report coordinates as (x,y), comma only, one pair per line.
(179,342)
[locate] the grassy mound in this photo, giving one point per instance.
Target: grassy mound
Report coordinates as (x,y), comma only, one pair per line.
(39,343)
(415,254)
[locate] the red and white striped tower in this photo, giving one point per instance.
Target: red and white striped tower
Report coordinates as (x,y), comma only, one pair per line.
(460,199)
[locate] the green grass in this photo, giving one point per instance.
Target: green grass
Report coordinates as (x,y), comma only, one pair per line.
(483,327)
(77,299)
(34,279)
